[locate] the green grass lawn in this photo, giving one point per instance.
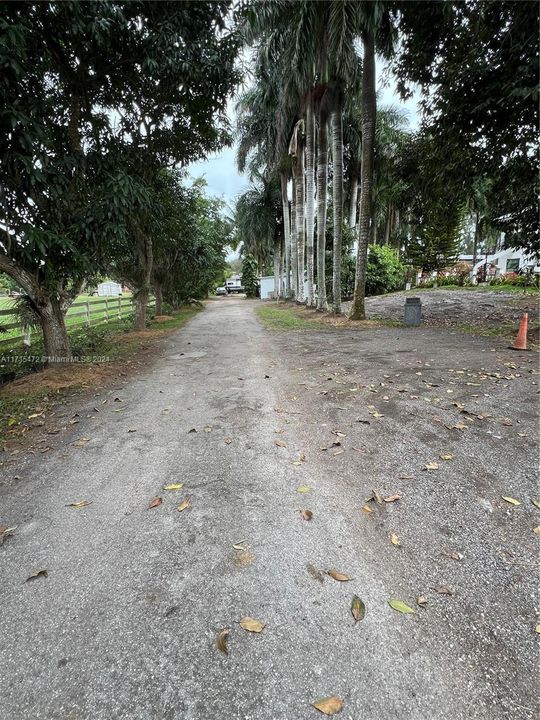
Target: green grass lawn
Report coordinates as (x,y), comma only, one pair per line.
(285,318)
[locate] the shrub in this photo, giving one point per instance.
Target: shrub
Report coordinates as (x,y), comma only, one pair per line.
(385,272)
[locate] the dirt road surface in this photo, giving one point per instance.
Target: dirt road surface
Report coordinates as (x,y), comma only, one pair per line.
(124,625)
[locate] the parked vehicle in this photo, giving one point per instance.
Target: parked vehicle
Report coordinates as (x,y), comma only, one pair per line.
(221,291)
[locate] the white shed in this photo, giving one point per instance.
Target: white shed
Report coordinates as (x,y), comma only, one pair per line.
(108,288)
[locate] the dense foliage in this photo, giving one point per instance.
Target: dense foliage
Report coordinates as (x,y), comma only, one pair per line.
(97,99)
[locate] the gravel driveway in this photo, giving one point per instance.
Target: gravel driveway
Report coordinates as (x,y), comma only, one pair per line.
(257,426)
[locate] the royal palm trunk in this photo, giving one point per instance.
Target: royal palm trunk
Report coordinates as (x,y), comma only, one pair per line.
(286,232)
(322,190)
(300,221)
(366,222)
(310,200)
(337,198)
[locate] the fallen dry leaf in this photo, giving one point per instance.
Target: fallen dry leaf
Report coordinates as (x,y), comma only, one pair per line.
(252,625)
(536,530)
(449,456)
(193,430)
(421,601)
(536,503)
(395,540)
(329,705)
(303,489)
(358,609)
(537,629)
(510,500)
(457,426)
(81,442)
(227,440)
(79,504)
(377,497)
(173,486)
(400,606)
(340,577)
(444,590)
(6,532)
(155,502)
(221,641)
(280,443)
(406,477)
(38,574)
(455,555)
(367,509)
(392,498)
(306,514)
(207,428)
(184,505)
(431,466)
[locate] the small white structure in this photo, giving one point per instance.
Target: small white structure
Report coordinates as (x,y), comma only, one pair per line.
(109,288)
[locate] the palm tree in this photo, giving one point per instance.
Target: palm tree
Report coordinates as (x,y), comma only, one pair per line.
(322,188)
(375,21)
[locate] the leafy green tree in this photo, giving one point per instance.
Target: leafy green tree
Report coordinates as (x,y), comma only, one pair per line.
(249,275)
(477,63)
(97,97)
(385,272)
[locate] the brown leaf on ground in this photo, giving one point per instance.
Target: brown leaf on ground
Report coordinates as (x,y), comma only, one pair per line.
(306,514)
(221,641)
(536,530)
(338,433)
(81,442)
(38,574)
(457,426)
(377,497)
(431,466)
(6,532)
(184,505)
(394,539)
(444,590)
(536,503)
(329,705)
(155,502)
(367,509)
(252,625)
(280,443)
(340,577)
(407,477)
(79,504)
(227,440)
(449,456)
(193,430)
(358,609)
(392,498)
(454,555)
(421,601)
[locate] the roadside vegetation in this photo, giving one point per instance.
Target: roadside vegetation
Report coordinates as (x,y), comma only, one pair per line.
(113,348)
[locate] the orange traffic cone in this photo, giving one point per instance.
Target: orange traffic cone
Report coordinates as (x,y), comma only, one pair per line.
(520,343)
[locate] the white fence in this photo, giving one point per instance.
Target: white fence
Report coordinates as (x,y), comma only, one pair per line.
(83,313)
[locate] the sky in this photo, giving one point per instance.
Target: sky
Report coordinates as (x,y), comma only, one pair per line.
(224,180)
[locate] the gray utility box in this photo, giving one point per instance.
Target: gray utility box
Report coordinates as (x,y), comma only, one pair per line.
(413,311)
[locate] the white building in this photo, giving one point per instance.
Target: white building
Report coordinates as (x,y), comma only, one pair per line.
(234,284)
(109,288)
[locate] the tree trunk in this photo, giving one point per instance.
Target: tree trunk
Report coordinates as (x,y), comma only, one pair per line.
(310,199)
(277,270)
(337,201)
(145,261)
(294,246)
(354,194)
(476,236)
(55,337)
(286,232)
(388,223)
(369,114)
(322,190)
(141,304)
(300,224)
(159,298)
